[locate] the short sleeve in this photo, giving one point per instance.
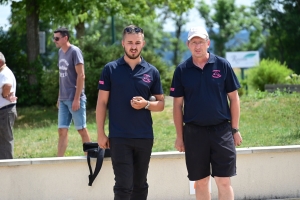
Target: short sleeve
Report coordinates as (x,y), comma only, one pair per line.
(156,88)
(104,81)
(176,89)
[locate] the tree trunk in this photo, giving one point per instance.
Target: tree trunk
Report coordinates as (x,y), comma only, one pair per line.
(179,24)
(32,30)
(80,31)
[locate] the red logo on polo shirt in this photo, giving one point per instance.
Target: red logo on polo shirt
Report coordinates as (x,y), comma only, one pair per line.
(101,82)
(172,89)
(216,74)
(146,78)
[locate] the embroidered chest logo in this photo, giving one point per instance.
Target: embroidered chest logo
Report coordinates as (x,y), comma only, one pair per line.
(146,78)
(216,74)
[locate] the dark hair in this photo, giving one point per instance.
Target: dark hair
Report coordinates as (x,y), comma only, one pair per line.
(63,31)
(132,29)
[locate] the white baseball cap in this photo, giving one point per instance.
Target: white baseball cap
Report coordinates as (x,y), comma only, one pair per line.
(197,32)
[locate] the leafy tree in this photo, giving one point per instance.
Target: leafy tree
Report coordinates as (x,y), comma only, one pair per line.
(12,47)
(224,20)
(177,12)
(72,13)
(281,21)
(30,16)
(31,13)
(177,45)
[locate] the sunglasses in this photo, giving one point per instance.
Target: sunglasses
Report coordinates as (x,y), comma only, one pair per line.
(133,30)
(56,38)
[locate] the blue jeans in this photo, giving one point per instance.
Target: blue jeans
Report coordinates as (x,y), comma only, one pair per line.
(66,114)
(130,160)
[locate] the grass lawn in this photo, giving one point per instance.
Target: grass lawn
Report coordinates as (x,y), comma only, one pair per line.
(266,120)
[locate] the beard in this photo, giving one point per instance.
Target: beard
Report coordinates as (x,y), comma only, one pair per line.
(131,56)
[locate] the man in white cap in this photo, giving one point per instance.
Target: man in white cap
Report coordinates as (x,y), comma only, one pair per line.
(206,125)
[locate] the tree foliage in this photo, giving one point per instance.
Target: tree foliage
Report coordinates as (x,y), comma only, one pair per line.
(12,46)
(224,20)
(38,79)
(178,13)
(281,21)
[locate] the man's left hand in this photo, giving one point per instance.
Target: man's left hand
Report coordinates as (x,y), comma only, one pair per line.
(76,105)
(138,102)
(237,139)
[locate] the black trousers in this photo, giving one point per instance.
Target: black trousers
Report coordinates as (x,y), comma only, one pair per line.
(130,160)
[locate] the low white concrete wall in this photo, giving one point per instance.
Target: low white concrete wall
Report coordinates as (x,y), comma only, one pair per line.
(263,173)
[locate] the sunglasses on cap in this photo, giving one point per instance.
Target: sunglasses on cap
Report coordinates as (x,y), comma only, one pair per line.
(57,38)
(133,30)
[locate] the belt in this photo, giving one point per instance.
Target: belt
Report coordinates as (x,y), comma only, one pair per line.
(210,126)
(7,106)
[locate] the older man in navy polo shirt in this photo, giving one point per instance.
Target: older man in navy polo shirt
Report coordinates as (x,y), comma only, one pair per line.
(125,87)
(206,126)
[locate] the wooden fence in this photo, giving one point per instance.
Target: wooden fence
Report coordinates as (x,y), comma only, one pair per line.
(282,87)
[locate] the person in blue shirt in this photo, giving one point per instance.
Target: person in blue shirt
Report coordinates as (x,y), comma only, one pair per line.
(207,126)
(125,87)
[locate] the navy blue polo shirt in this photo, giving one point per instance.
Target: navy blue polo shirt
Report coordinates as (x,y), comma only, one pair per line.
(123,83)
(205,91)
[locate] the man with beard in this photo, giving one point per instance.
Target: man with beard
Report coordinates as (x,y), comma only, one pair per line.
(125,86)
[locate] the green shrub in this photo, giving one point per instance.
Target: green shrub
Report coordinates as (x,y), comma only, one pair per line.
(50,84)
(267,72)
(243,89)
(293,79)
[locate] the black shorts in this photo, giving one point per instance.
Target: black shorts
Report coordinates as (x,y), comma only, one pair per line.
(207,146)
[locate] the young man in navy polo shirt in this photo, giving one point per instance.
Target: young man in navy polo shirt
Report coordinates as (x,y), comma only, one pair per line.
(206,126)
(125,86)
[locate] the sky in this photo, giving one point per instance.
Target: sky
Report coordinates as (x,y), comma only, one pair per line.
(4,14)
(194,17)
(196,20)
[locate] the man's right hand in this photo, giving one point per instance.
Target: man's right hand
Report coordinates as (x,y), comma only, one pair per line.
(179,144)
(103,141)
(11,97)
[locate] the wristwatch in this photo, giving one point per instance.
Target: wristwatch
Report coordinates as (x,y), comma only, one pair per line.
(147,106)
(234,130)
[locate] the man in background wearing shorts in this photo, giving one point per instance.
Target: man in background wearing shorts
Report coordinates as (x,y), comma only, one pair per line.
(71,98)
(206,126)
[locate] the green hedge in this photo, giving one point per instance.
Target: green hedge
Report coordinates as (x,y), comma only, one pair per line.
(267,72)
